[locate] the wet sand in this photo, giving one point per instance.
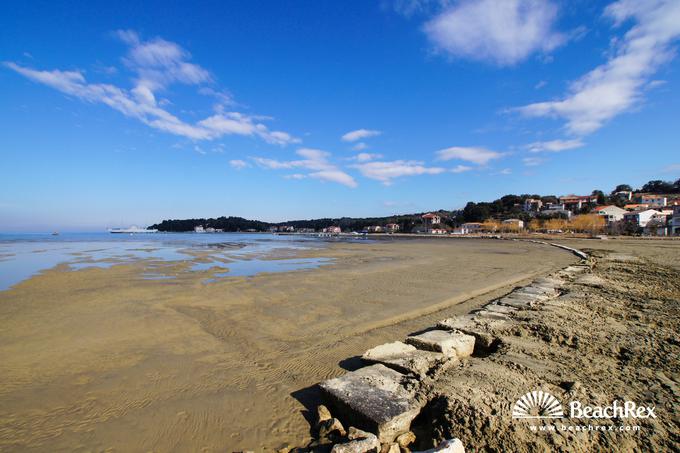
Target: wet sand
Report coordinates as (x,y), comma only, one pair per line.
(101,359)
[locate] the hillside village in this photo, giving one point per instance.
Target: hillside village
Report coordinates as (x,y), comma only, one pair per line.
(652,210)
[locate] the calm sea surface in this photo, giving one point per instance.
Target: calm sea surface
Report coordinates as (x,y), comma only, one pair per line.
(229,254)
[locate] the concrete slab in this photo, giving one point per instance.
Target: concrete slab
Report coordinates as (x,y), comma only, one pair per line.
(373,398)
(405,358)
(483,338)
(498,308)
(450,343)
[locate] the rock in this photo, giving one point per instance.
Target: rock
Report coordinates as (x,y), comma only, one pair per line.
(548,282)
(391,448)
(360,442)
(483,340)
(373,398)
(405,358)
(447,446)
(331,429)
(519,301)
(492,315)
(497,308)
(537,291)
(322,413)
(406,439)
(450,343)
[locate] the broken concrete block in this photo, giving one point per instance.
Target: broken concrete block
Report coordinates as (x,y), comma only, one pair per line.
(447,446)
(497,308)
(405,358)
(360,442)
(492,316)
(483,340)
(519,301)
(450,343)
(373,398)
(537,291)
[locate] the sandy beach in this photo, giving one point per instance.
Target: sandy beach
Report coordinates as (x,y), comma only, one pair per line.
(99,359)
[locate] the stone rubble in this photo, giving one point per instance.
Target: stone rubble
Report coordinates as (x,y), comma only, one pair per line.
(382,398)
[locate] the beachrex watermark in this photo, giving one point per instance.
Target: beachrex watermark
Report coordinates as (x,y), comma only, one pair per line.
(542,405)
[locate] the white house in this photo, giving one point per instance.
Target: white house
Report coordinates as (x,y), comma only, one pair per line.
(640,218)
(519,224)
(610,213)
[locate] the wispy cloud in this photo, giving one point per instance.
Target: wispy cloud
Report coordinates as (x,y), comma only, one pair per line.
(359,134)
(386,172)
(239,164)
(314,160)
(365,157)
(532,161)
(502,32)
(476,155)
(359,146)
(616,86)
(554,146)
(156,65)
(460,169)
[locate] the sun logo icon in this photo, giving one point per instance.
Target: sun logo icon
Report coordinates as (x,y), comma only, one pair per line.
(537,404)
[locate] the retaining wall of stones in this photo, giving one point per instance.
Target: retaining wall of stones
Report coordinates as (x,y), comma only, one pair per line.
(380,400)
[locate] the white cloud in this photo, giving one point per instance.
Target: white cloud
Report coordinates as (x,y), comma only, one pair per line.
(314,160)
(615,86)
(335,176)
(365,157)
(157,64)
(505,171)
(554,146)
(239,164)
(503,32)
(460,169)
(532,161)
(385,172)
(359,146)
(476,155)
(359,134)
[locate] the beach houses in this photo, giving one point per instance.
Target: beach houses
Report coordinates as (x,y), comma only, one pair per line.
(392,227)
(332,230)
(555,210)
(675,221)
(375,229)
(577,202)
(430,219)
(639,218)
(653,200)
(610,213)
(514,224)
(471,227)
(532,205)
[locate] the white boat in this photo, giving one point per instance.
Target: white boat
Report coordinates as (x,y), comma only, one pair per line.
(132,230)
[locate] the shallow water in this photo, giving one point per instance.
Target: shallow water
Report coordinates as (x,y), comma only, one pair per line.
(237,254)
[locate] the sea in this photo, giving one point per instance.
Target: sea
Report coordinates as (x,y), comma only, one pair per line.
(225,254)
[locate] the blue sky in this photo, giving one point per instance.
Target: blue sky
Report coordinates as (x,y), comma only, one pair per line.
(117,113)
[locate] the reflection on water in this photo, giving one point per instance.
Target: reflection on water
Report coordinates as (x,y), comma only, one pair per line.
(231,254)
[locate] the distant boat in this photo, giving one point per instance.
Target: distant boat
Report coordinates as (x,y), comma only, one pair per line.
(56,233)
(132,230)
